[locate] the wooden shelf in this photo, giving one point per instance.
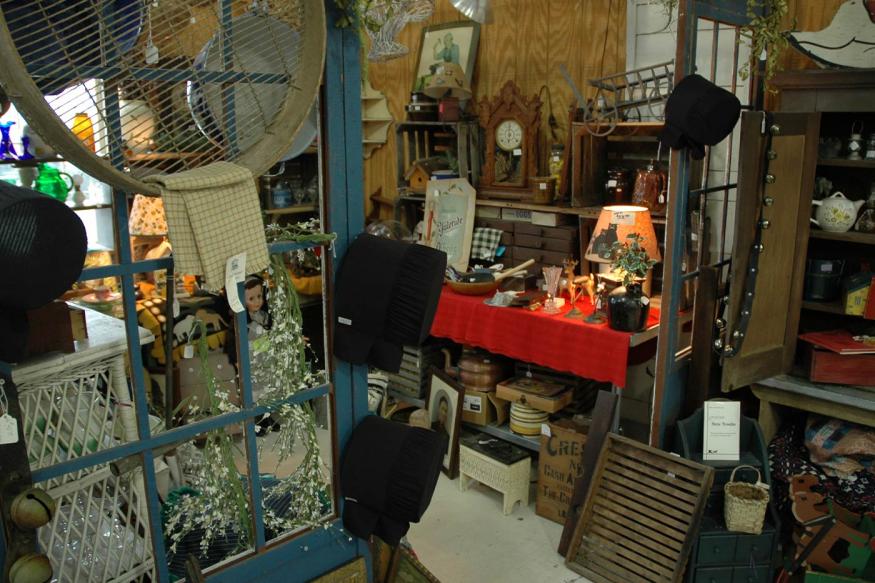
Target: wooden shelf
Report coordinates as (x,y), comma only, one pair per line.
(293,210)
(842,163)
(849,236)
(587,212)
(835,307)
(504,432)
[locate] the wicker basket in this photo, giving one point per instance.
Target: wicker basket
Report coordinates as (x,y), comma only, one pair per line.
(745,504)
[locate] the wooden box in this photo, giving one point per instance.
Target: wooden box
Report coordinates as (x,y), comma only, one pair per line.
(484,408)
(558,466)
(54,328)
(826,366)
(539,394)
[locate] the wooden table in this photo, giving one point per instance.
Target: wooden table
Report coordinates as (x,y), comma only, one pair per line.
(855,404)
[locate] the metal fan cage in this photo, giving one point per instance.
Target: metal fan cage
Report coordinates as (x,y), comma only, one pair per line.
(125,88)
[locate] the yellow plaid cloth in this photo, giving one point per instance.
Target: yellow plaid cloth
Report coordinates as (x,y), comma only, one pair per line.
(213,214)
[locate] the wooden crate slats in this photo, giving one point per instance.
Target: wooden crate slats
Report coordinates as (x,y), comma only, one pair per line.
(640,516)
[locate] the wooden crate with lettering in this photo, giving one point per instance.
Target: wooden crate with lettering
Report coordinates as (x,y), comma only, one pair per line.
(641,515)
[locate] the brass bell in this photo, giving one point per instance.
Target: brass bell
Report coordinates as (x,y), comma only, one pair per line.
(720,323)
(765,224)
(775,129)
(31,568)
(768,200)
(770,179)
(32,508)
(771,155)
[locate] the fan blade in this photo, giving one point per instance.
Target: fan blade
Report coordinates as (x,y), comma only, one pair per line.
(476,10)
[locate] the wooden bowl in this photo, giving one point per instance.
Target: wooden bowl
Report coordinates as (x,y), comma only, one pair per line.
(473,289)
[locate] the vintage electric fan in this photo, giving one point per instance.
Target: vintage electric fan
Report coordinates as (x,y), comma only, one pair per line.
(124,88)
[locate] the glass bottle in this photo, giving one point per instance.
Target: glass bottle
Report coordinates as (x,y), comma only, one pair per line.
(866,222)
(84,130)
(855,142)
(557,156)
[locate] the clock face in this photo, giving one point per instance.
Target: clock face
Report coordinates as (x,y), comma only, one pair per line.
(509,135)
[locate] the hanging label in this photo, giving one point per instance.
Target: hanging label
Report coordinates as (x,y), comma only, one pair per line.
(645,301)
(175,306)
(188,351)
(545,430)
(518,152)
(612,183)
(621,218)
(543,186)
(826,267)
(235,272)
(8,429)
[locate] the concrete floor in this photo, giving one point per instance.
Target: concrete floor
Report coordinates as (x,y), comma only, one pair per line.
(465,538)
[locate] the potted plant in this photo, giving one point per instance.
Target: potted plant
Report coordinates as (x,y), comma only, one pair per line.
(628,307)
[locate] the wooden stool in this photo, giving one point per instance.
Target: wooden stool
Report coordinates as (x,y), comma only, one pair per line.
(500,465)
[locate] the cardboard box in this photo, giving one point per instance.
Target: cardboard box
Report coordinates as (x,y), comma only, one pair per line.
(481,408)
(549,219)
(516,215)
(558,466)
(537,393)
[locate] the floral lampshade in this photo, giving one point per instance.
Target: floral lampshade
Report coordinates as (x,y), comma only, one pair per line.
(449,81)
(147,217)
(615,224)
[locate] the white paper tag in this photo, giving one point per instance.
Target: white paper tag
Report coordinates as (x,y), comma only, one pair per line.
(543,186)
(415,108)
(645,300)
(8,429)
(175,307)
(235,272)
(344,321)
(518,152)
(826,267)
(545,430)
(612,183)
(188,351)
(621,218)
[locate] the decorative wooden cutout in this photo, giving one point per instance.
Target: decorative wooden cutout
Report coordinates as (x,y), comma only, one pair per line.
(376,119)
(511,123)
(641,515)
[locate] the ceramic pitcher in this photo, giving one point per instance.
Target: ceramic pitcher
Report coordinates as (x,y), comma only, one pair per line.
(836,213)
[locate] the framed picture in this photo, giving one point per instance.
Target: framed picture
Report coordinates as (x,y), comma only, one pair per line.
(451,42)
(445,398)
(449,219)
(406,568)
(353,572)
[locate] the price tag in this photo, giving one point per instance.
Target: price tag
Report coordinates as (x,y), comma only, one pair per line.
(415,108)
(612,183)
(621,218)
(518,152)
(545,430)
(543,186)
(826,267)
(235,272)
(645,300)
(188,351)
(175,306)
(8,429)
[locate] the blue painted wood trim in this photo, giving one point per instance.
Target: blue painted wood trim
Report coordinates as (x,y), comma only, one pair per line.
(176,435)
(126,268)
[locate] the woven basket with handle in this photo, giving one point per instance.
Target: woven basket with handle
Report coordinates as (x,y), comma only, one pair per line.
(745,504)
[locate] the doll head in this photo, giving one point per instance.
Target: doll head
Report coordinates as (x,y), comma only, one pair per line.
(254,294)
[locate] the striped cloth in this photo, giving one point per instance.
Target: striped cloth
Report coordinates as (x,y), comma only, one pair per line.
(212,214)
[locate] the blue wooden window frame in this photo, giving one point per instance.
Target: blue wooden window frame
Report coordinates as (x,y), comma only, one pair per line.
(310,553)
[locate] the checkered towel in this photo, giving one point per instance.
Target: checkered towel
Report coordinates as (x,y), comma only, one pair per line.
(213,214)
(485,243)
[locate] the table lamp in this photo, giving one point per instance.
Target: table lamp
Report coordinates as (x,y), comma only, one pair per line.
(448,85)
(147,225)
(614,225)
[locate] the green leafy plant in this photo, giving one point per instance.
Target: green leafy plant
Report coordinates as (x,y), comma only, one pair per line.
(631,259)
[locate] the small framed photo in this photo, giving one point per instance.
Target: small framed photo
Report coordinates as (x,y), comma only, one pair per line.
(406,568)
(451,42)
(445,399)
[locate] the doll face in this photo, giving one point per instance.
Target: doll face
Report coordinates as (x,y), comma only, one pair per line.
(254,297)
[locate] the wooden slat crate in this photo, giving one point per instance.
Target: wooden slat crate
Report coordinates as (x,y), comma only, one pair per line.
(641,515)
(413,378)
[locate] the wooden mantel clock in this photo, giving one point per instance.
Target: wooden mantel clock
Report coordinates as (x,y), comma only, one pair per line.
(511,124)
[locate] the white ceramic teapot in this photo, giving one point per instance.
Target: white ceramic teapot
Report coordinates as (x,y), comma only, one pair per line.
(836,213)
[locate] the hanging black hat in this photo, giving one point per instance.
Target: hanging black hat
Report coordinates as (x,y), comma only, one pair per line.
(42,251)
(388,475)
(386,296)
(698,113)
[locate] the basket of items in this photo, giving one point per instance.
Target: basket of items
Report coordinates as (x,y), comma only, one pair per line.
(745,503)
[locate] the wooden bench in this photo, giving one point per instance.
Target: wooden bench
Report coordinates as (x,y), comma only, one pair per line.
(497,464)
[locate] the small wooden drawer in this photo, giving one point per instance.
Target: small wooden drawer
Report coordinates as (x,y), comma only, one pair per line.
(714,575)
(506,226)
(568,232)
(756,574)
(506,239)
(716,549)
(546,243)
(753,548)
(543,257)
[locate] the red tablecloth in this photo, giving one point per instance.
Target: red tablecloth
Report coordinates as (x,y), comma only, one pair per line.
(591,351)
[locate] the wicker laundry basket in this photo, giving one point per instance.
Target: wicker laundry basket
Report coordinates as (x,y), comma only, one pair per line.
(745,504)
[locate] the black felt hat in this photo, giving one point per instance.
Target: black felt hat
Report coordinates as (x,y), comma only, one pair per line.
(42,251)
(386,296)
(388,476)
(698,113)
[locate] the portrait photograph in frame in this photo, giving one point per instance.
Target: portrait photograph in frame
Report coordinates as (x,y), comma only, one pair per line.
(451,42)
(406,568)
(445,399)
